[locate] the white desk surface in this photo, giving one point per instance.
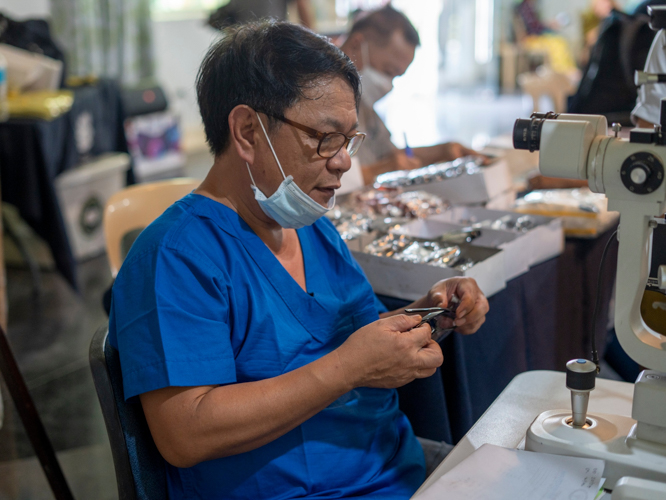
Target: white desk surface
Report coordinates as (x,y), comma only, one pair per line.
(505,422)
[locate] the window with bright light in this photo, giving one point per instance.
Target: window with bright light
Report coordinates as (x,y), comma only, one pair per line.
(165,9)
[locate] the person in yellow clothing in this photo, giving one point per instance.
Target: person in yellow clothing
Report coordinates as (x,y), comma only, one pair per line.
(535,36)
(591,21)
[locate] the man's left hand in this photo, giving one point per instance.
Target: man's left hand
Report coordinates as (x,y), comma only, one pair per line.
(473,306)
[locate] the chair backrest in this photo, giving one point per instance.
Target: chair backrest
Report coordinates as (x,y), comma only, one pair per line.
(140,469)
(135,207)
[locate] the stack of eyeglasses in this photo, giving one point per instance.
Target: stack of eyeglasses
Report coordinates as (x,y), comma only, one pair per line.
(350,224)
(467,165)
(507,222)
(395,203)
(382,211)
(419,251)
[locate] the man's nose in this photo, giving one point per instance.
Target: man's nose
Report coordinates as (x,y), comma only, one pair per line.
(341,161)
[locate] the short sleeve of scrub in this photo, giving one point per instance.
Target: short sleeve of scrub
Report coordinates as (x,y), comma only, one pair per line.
(175,319)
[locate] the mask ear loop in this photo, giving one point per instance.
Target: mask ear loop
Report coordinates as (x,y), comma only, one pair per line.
(271,146)
(250,172)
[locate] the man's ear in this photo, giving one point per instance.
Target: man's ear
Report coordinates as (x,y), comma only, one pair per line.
(243,127)
(356,39)
(354,43)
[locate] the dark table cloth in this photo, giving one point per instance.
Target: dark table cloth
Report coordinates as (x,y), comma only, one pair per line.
(34,152)
(539,322)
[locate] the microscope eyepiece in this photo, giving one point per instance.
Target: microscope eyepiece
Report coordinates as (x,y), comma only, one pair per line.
(527,133)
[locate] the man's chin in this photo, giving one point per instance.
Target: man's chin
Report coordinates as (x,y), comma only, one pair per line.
(323,196)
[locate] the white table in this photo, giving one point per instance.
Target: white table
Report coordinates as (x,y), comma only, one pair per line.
(505,422)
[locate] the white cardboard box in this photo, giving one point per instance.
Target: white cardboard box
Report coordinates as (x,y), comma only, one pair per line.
(516,261)
(491,181)
(502,201)
(409,281)
(541,243)
(520,161)
(82,194)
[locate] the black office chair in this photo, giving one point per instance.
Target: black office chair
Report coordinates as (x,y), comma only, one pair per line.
(140,471)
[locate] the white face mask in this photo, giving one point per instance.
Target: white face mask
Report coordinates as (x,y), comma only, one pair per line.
(375,84)
(289,206)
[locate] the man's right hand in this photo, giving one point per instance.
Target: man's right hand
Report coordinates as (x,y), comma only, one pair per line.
(389,353)
(402,161)
(397,160)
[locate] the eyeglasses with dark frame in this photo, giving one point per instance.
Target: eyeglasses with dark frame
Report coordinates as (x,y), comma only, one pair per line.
(330,143)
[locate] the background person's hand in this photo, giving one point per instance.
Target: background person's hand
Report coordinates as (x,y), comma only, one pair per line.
(397,160)
(453,150)
(404,162)
(539,181)
(473,306)
(389,353)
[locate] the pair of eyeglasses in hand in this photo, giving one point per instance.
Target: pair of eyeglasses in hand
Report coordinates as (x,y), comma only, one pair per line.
(438,319)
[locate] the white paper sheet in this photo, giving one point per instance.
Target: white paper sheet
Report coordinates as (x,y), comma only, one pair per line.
(495,473)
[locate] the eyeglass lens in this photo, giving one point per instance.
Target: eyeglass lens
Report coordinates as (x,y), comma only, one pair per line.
(332,143)
(355,144)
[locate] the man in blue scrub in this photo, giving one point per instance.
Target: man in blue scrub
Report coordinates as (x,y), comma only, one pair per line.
(247,330)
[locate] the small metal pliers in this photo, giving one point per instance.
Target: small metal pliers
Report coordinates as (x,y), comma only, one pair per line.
(433,315)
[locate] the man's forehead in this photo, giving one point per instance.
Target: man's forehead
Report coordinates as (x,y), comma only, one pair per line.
(329,100)
(329,90)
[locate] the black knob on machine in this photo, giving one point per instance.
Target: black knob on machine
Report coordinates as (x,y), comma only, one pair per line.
(642,173)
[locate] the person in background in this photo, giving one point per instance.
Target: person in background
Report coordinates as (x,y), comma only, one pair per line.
(382,44)
(534,35)
(240,11)
(591,21)
(263,361)
(532,23)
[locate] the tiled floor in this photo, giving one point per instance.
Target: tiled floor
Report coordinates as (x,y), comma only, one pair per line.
(50,337)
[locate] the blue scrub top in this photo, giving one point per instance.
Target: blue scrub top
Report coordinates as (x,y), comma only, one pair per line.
(200,300)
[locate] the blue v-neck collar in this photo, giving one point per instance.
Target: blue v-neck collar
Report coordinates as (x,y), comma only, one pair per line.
(306,306)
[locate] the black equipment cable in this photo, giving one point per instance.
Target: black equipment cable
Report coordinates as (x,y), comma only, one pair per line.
(595,353)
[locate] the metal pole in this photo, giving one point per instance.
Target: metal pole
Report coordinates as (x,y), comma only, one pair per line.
(31,421)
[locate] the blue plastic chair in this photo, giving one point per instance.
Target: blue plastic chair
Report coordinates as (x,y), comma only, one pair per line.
(140,469)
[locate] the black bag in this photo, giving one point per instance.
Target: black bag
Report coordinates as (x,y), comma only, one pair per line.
(32,35)
(607,86)
(142,101)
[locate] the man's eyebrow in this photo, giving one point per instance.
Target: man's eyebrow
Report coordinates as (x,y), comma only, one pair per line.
(337,125)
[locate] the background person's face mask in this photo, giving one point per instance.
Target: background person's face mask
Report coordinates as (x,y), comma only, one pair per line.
(289,206)
(374,83)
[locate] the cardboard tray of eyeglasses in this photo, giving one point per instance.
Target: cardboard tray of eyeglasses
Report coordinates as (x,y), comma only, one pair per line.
(409,280)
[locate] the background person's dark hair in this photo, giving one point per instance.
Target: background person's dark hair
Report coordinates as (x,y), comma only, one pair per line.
(383,23)
(267,65)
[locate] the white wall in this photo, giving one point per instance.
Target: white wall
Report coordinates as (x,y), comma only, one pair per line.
(21,9)
(179,49)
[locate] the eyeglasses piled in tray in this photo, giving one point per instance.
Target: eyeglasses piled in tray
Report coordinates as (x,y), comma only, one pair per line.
(380,210)
(443,251)
(467,165)
(507,222)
